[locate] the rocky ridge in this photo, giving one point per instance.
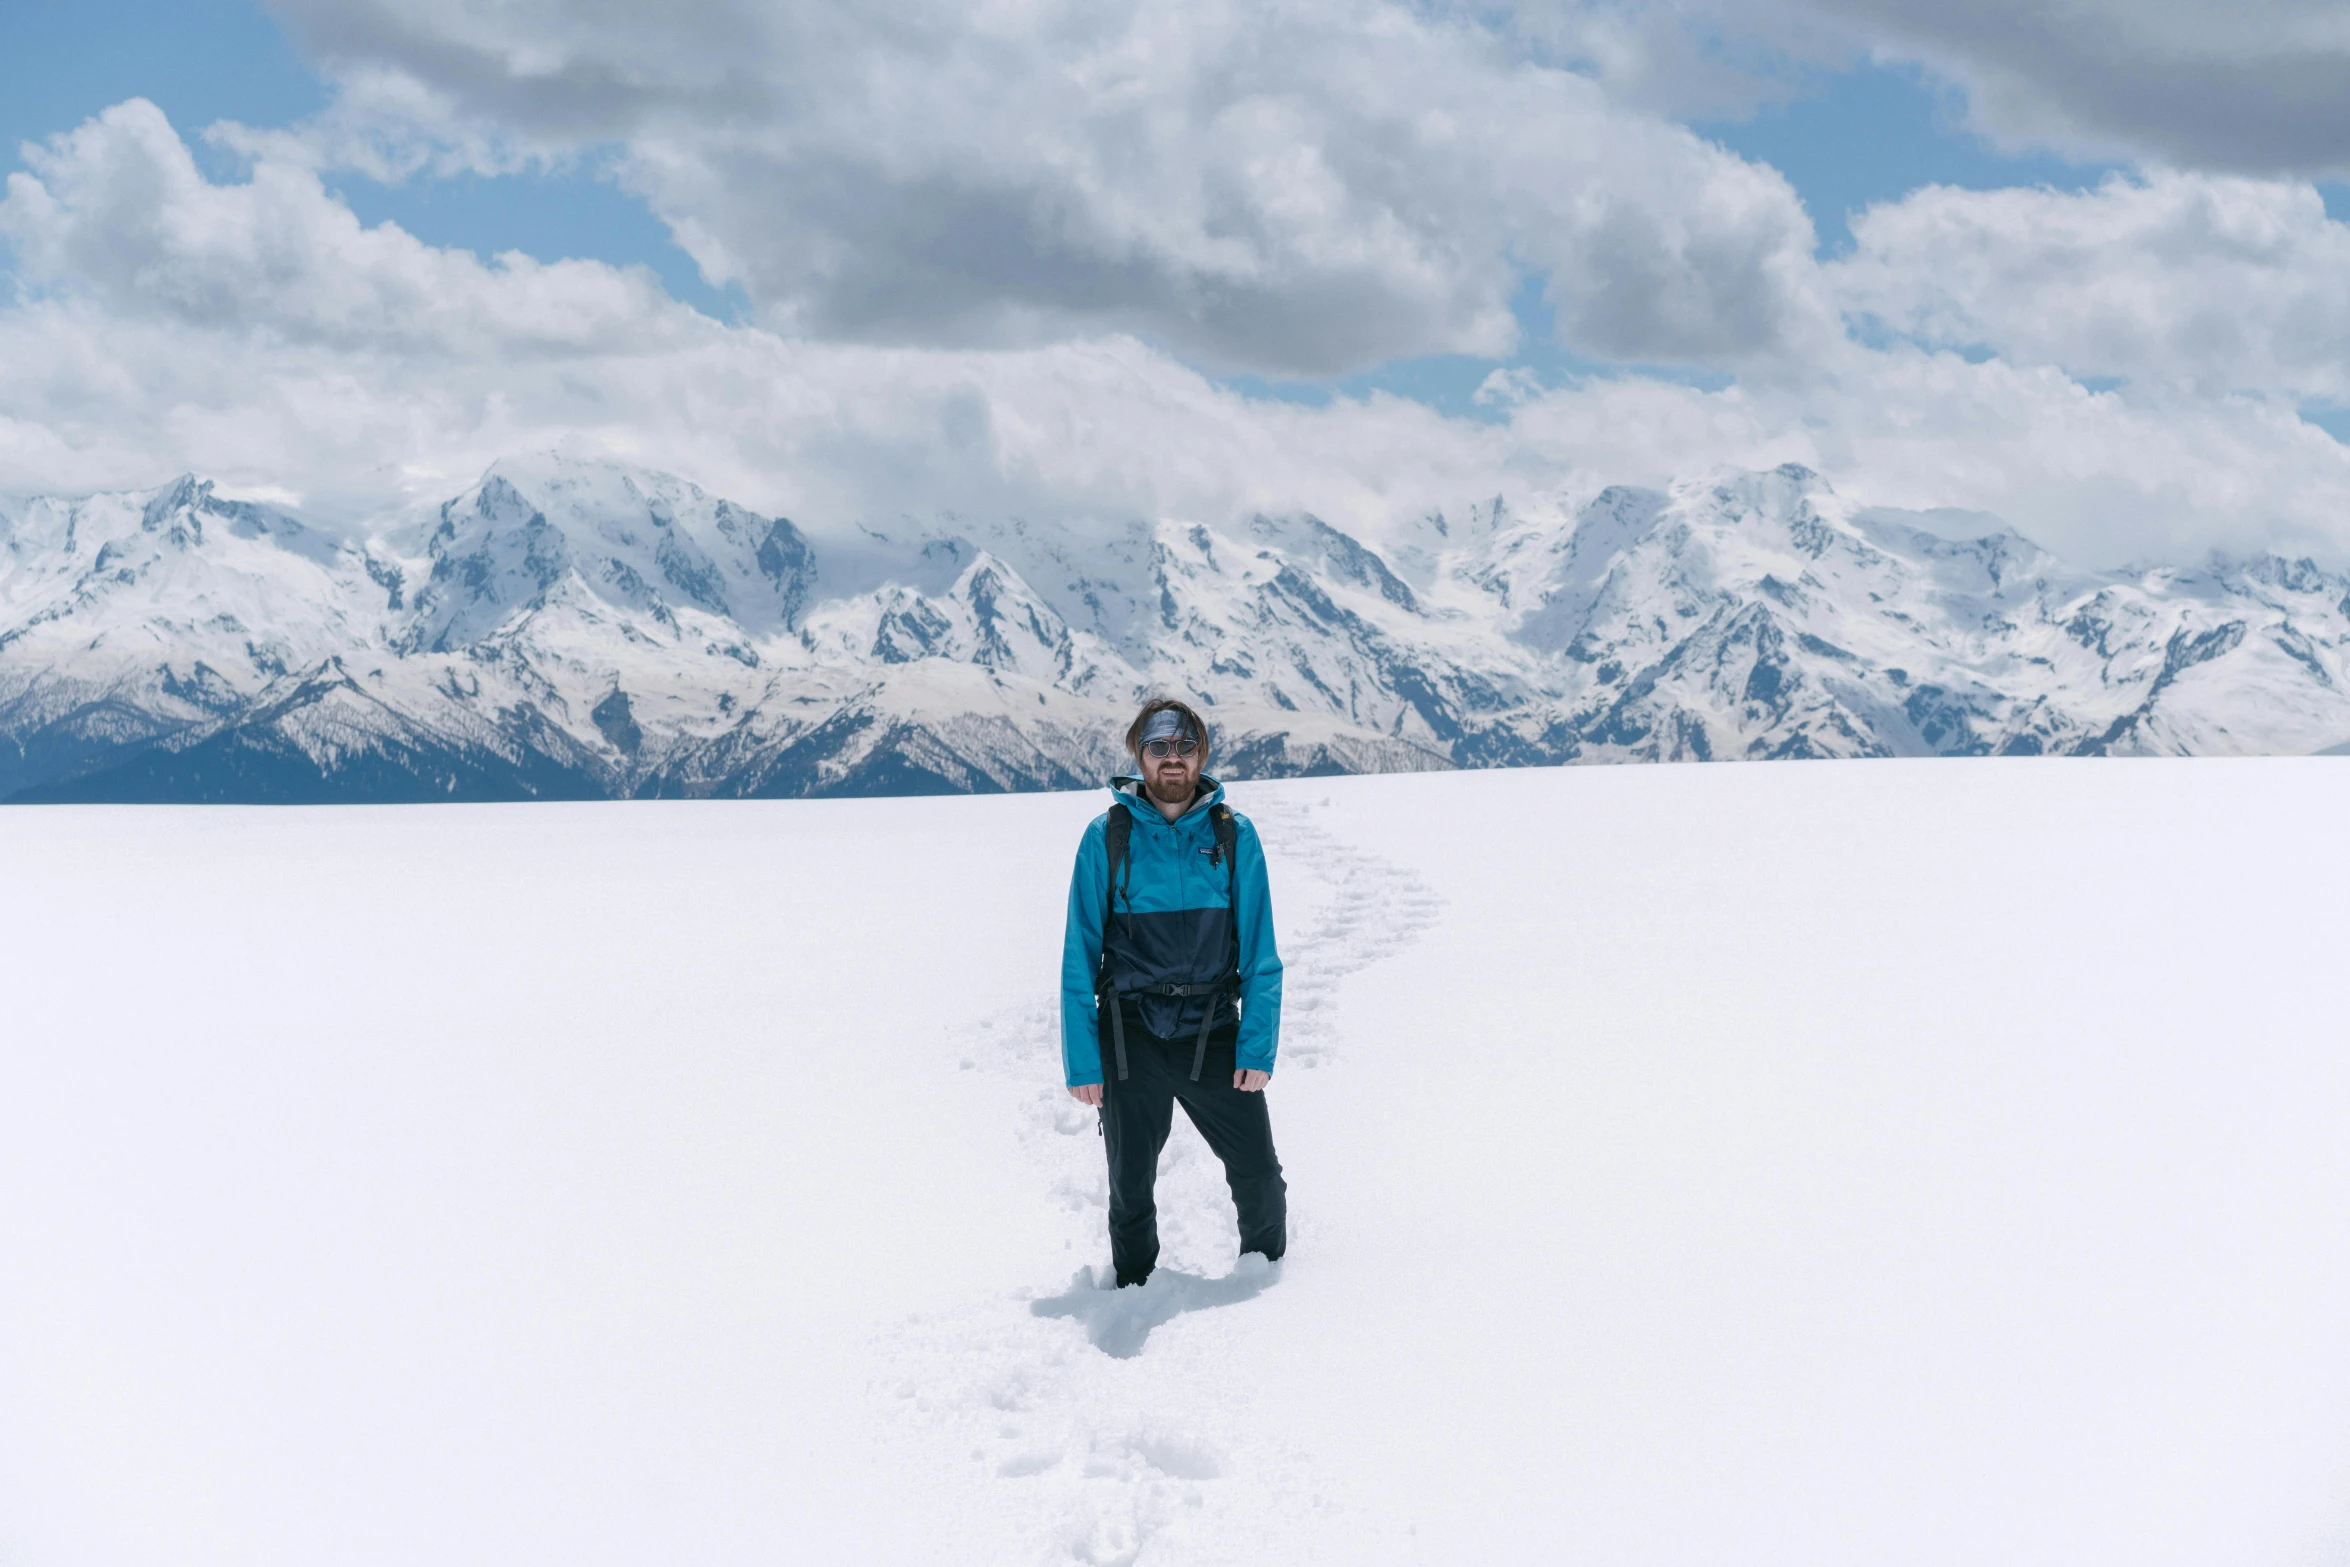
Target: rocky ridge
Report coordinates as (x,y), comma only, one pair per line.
(568,629)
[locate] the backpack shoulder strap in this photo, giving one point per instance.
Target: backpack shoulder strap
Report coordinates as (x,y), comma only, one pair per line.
(1117,828)
(1228,845)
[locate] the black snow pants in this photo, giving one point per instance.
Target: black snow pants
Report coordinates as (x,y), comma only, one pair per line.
(1136,1117)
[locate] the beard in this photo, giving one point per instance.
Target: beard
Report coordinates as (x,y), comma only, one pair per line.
(1171,788)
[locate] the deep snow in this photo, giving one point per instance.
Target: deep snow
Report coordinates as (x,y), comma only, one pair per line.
(1921,1162)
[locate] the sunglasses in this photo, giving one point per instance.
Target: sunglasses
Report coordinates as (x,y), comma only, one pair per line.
(1160,750)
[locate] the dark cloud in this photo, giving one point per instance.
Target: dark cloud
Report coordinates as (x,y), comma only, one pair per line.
(2233,86)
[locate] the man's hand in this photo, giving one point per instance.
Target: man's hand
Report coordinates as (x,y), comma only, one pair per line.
(1087,1093)
(1248,1080)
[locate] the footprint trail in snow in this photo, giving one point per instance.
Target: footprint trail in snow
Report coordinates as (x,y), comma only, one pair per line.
(1077,1417)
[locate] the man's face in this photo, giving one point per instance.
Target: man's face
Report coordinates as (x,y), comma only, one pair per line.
(1174,778)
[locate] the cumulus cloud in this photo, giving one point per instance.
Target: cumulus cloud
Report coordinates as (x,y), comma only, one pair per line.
(254,331)
(2212,283)
(1307,188)
(118,212)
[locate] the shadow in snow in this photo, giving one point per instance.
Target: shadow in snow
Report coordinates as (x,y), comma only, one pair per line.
(1119,1321)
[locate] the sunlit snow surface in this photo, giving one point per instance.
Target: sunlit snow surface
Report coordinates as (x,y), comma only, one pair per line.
(1872,1162)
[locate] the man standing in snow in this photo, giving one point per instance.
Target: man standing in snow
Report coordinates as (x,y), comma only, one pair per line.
(1171,986)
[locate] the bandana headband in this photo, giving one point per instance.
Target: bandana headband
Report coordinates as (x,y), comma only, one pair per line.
(1167,724)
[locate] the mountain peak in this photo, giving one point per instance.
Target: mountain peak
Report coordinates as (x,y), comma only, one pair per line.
(587,482)
(185,493)
(1732,614)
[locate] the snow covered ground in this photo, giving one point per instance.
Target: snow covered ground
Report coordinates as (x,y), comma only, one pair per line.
(1933,1162)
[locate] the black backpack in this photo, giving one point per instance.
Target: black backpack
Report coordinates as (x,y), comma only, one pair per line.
(1115,833)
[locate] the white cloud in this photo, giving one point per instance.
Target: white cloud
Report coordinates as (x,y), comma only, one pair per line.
(257,333)
(1304,189)
(118,212)
(391,127)
(1507,387)
(2212,283)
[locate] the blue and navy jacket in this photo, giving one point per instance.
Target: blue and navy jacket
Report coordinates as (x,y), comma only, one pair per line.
(1180,931)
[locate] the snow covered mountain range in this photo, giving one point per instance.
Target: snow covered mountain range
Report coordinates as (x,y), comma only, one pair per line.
(570,629)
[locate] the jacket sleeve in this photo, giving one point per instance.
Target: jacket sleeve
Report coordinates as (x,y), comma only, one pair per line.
(1081,960)
(1260,959)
